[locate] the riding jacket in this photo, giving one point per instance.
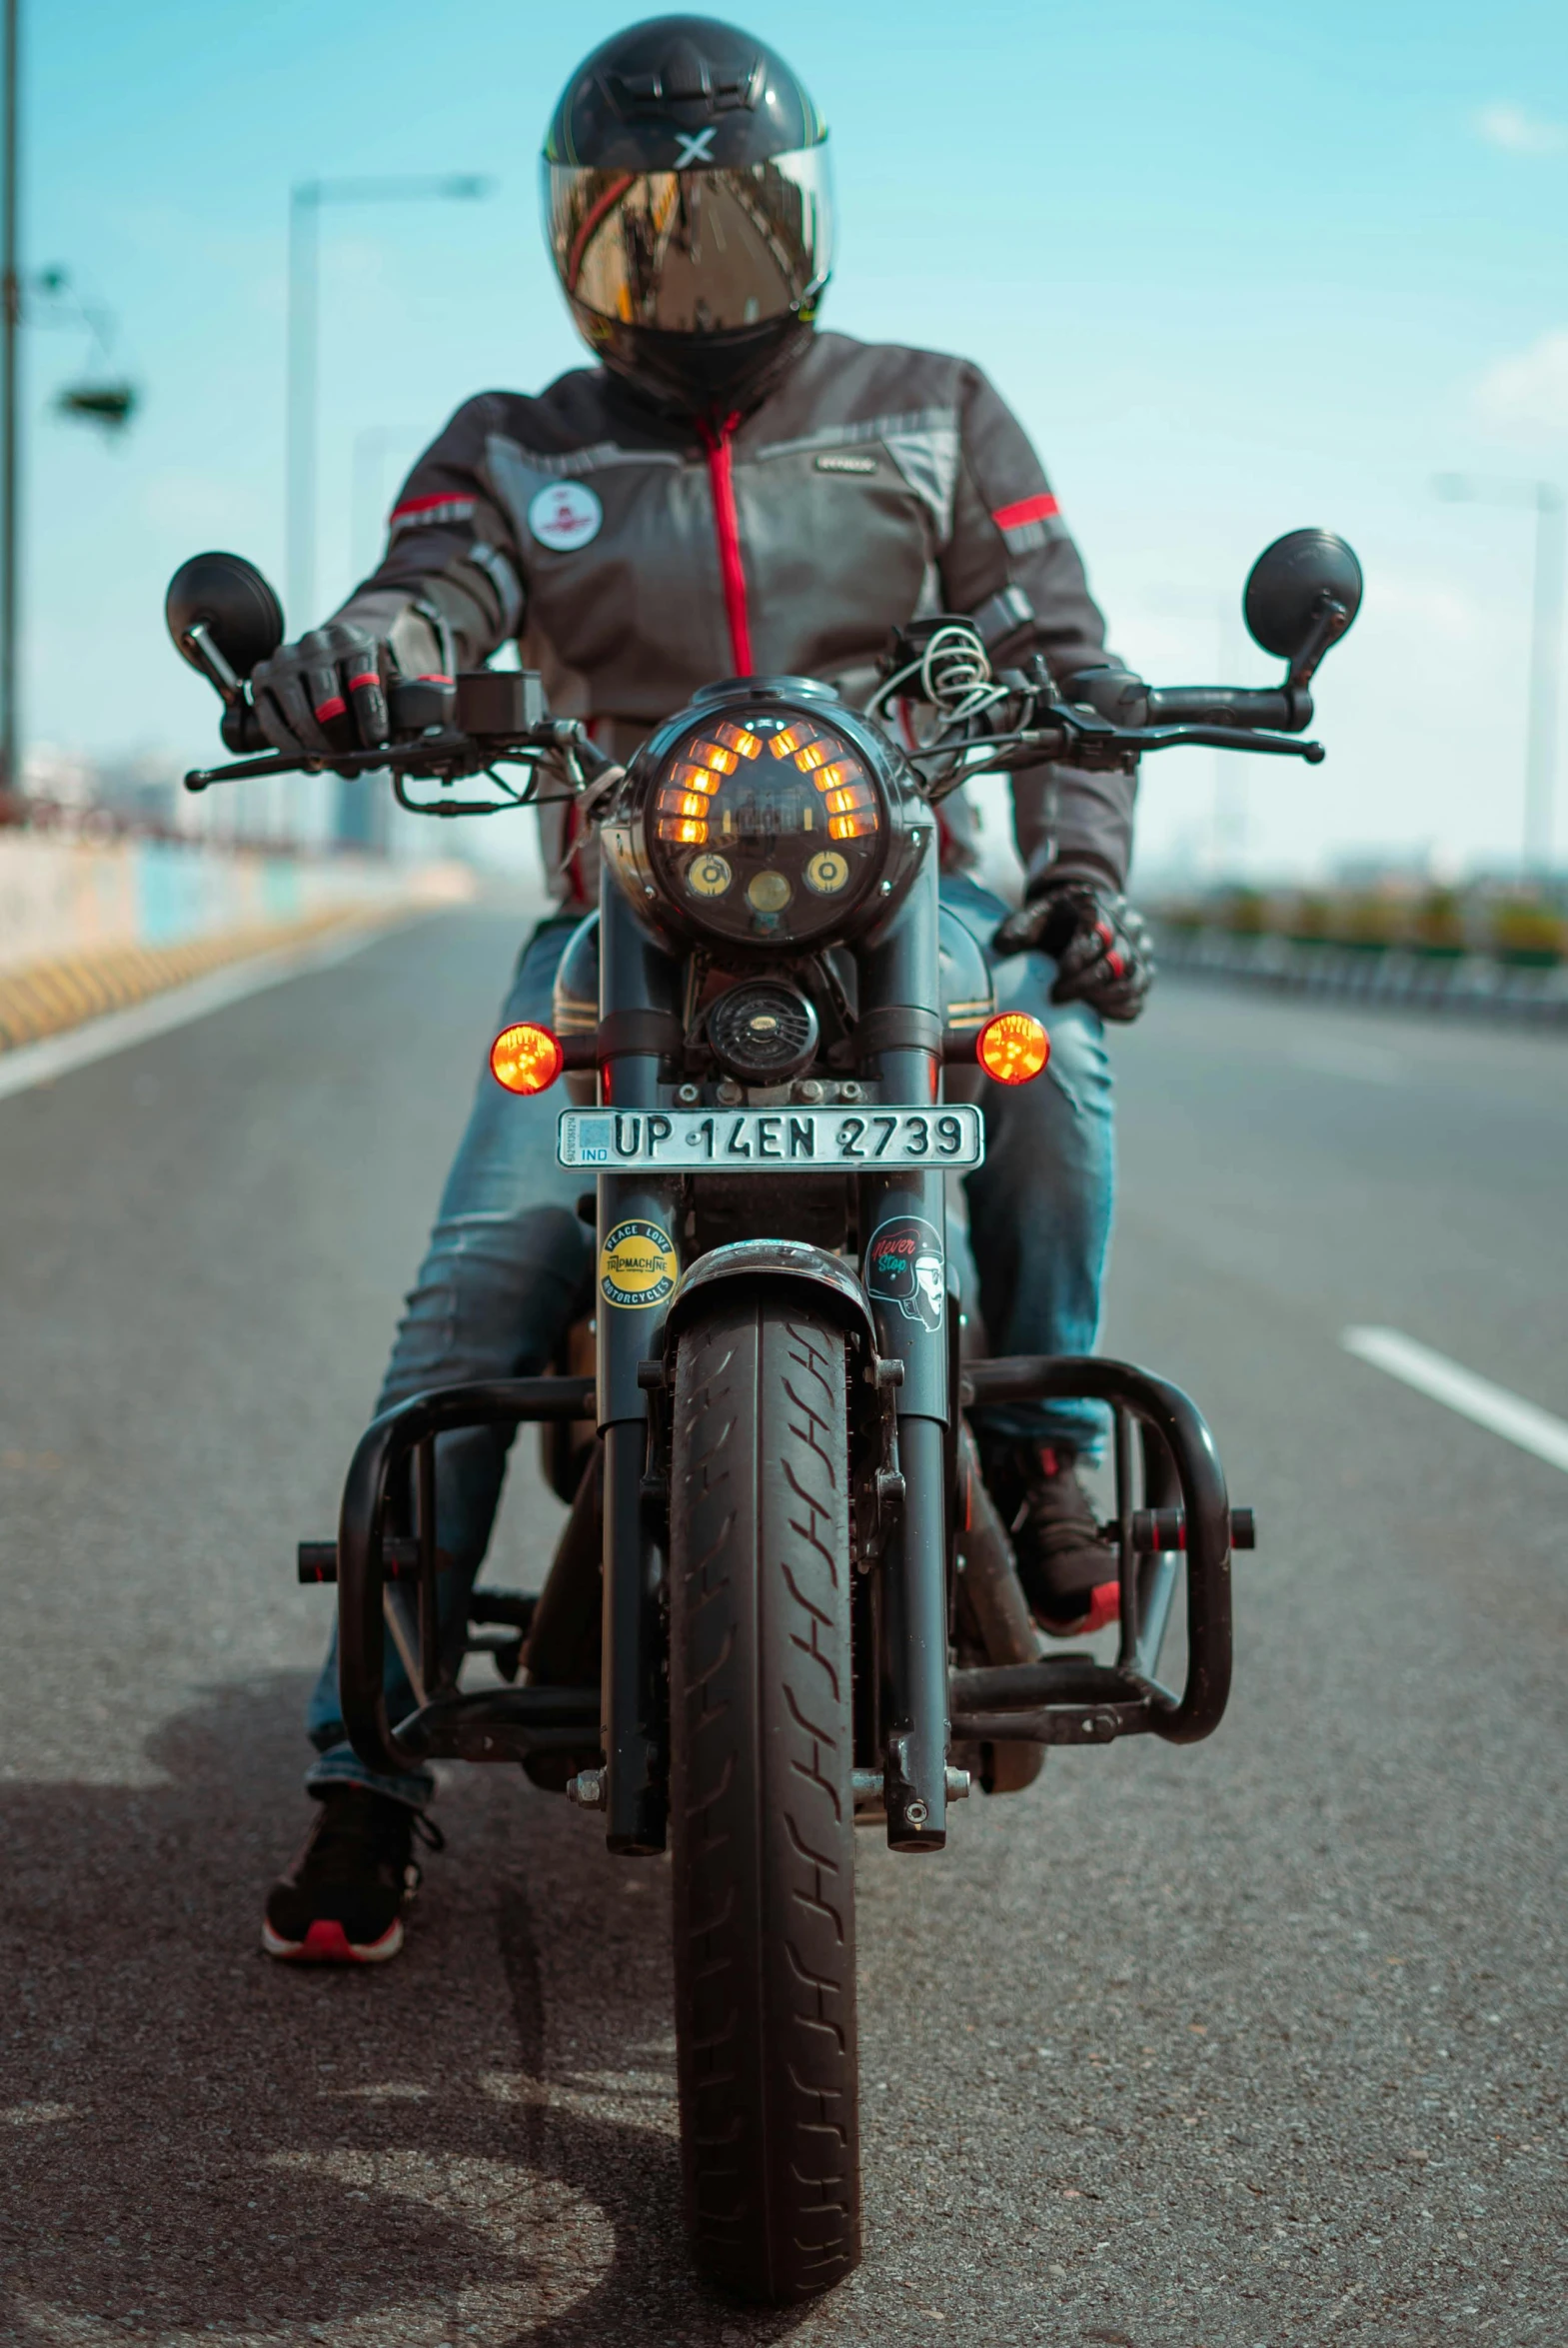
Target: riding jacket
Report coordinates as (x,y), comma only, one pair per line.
(636,559)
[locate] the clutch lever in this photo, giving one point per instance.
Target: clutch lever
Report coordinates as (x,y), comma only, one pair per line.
(446,752)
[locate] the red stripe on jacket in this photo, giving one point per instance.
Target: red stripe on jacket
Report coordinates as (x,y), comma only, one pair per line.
(718,439)
(440,497)
(1039,509)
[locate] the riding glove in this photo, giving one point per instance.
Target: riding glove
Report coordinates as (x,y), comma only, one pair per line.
(327,692)
(1099,942)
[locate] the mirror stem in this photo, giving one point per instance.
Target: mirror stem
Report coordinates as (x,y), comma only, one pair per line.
(1329,622)
(196,643)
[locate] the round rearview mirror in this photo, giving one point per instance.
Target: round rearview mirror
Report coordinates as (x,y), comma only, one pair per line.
(242,615)
(1288,586)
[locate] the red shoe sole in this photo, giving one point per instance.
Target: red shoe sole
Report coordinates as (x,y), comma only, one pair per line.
(1104,1608)
(325,1943)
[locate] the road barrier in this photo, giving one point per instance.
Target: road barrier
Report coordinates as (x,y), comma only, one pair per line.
(87,928)
(1391,977)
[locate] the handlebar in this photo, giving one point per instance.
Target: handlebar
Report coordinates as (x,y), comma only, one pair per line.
(454,729)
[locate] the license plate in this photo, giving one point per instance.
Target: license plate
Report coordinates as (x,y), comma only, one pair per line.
(770,1140)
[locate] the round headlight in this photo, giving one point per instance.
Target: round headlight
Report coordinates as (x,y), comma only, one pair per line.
(765,825)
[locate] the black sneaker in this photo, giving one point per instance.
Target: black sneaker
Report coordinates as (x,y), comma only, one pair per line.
(1063,1564)
(342,1900)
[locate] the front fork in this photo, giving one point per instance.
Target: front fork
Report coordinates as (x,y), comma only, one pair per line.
(636,1270)
(903,1224)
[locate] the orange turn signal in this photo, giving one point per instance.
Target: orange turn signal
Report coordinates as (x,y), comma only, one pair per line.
(1012,1048)
(526,1060)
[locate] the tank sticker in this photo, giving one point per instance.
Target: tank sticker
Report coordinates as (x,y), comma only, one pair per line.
(903,1266)
(565,515)
(637,1266)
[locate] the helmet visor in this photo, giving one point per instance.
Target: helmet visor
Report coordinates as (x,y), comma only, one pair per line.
(693,252)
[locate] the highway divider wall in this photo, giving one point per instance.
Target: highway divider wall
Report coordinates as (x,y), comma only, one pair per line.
(1434,979)
(87,926)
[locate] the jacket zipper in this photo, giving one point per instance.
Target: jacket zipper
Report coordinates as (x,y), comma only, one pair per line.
(719,442)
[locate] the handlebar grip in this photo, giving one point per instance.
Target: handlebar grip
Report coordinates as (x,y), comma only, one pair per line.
(1229,705)
(415,702)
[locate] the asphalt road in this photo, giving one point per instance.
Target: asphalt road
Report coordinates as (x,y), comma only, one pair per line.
(1256,2043)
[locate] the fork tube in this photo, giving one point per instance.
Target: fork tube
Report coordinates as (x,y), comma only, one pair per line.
(635,975)
(901,970)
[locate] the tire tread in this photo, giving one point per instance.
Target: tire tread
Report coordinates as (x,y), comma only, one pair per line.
(762,1824)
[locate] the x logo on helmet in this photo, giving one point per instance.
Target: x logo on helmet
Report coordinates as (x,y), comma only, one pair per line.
(696,147)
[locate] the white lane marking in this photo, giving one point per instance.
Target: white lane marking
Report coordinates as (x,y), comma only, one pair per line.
(117,1031)
(1509,1416)
(1373,1064)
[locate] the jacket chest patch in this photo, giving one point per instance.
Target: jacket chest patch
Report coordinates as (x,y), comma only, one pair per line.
(565,515)
(835,462)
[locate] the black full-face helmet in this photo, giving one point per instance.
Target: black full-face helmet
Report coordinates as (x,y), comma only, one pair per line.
(688,211)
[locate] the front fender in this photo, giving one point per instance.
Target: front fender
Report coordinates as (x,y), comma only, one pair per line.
(826,1280)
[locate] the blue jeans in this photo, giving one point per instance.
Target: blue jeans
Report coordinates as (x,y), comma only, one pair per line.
(507,1259)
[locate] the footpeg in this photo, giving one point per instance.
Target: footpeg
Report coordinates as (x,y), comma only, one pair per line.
(318,1560)
(1157,1530)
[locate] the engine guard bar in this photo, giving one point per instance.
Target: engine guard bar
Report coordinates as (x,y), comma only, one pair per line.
(490,1723)
(1074,1700)
(1065,1699)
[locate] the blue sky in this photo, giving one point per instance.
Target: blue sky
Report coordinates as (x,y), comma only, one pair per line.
(1236,270)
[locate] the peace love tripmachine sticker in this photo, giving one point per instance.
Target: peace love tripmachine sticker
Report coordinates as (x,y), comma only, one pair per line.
(637,1266)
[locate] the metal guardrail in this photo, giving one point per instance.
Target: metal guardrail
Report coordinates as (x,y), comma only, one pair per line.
(1392,977)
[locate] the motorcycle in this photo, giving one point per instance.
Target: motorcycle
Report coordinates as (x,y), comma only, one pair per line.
(783,1606)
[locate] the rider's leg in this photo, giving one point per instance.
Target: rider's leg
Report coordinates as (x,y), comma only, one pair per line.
(505,1260)
(1041,1206)
(1040,1213)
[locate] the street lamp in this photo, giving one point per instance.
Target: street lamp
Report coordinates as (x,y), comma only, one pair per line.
(305,202)
(1546,634)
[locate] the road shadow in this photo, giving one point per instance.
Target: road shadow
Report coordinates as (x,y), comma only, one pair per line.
(476,2144)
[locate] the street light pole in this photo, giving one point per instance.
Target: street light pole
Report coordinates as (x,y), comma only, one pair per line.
(1228,822)
(306,199)
(1546,637)
(10,321)
(1545,648)
(300,422)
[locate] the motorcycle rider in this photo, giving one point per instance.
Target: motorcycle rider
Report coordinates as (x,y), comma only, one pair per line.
(724,491)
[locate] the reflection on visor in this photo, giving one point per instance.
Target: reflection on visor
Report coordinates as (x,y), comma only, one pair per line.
(693,252)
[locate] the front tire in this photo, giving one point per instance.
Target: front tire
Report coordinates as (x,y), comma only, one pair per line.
(761,1801)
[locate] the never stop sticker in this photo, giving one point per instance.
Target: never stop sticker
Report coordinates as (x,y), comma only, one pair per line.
(565,515)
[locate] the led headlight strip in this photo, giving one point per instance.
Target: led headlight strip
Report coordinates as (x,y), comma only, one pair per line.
(684,809)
